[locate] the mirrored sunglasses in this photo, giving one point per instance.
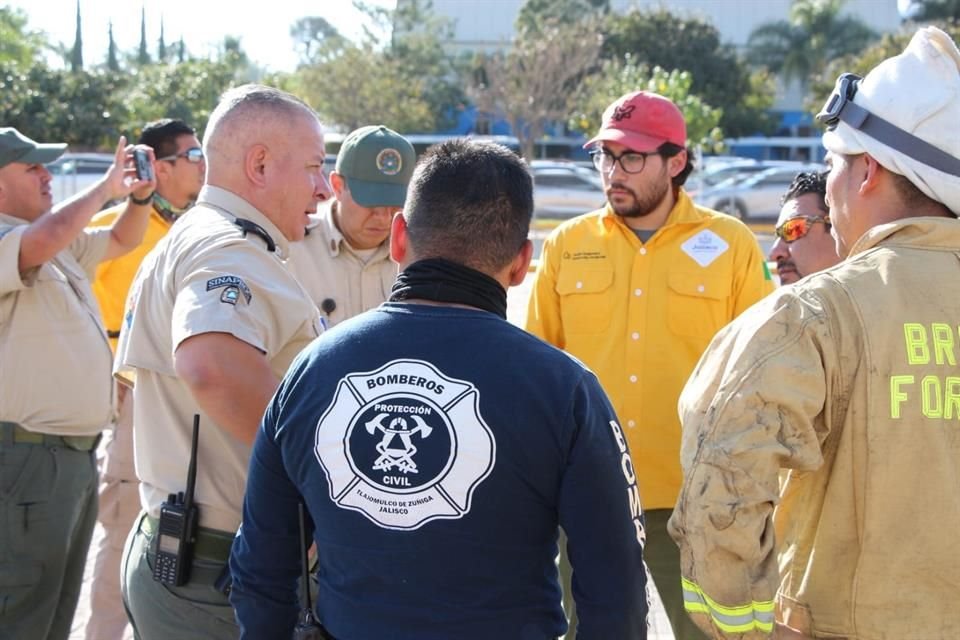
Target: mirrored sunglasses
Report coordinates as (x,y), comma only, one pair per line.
(193,155)
(795,228)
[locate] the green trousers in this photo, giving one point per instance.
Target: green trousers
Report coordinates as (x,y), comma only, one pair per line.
(663,560)
(194,611)
(48,509)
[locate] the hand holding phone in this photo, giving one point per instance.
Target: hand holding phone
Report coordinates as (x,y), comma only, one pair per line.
(141,162)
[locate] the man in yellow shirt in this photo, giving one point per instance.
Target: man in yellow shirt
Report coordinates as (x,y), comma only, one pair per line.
(636,290)
(179,173)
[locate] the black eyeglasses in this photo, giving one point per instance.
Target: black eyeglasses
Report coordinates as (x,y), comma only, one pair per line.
(630,161)
(193,155)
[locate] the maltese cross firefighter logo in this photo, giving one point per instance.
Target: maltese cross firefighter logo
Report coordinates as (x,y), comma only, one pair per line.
(404,444)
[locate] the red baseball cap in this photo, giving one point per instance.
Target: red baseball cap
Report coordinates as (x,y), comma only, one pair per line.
(642,121)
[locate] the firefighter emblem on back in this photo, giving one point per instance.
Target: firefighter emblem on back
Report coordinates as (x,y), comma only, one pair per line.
(404,444)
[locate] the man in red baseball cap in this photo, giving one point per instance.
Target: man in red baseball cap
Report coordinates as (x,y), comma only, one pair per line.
(636,290)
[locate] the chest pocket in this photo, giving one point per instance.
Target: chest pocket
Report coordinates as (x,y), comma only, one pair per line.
(697,303)
(585,299)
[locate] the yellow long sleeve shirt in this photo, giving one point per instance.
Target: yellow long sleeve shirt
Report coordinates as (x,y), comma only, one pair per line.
(641,314)
(114,277)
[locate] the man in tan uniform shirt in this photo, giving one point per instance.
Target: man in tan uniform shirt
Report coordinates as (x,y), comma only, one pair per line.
(55,388)
(180,168)
(214,319)
(344,261)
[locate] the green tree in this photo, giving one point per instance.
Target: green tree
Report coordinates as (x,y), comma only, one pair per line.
(315,38)
(82,108)
(658,38)
(620,77)
(535,13)
(416,47)
(112,63)
(891,44)
(76,54)
(161,45)
(143,56)
(534,83)
(409,83)
(17,43)
(188,91)
(939,10)
(361,87)
(815,34)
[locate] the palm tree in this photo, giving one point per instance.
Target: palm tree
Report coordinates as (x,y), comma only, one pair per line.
(801,46)
(939,10)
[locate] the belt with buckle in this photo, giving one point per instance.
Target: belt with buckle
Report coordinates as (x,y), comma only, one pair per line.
(12,432)
(211,544)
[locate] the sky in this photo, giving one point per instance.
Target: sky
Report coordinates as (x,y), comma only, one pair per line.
(263,27)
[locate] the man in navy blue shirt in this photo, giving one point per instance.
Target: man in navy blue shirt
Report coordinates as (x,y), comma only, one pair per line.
(437,448)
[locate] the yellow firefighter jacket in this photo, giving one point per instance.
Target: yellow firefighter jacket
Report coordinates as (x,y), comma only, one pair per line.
(641,314)
(114,277)
(849,379)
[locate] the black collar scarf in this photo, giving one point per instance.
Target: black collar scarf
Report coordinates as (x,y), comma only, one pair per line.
(441,280)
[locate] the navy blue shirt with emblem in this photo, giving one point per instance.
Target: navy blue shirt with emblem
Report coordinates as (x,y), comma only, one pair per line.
(437,449)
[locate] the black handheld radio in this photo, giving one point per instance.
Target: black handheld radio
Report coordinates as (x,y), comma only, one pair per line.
(307,626)
(177,531)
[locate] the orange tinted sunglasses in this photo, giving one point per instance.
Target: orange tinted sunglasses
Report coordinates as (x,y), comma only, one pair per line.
(795,228)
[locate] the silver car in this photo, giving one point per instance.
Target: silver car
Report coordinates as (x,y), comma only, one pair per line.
(74,172)
(565,189)
(753,195)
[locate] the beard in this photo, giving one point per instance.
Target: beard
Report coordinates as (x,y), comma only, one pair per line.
(645,202)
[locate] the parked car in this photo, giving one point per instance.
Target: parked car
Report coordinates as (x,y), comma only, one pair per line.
(753,195)
(565,189)
(74,172)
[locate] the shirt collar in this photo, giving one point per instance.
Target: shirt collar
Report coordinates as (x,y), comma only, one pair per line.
(236,206)
(13,220)
(929,231)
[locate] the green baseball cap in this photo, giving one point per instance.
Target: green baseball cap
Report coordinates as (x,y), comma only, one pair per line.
(377,163)
(16,147)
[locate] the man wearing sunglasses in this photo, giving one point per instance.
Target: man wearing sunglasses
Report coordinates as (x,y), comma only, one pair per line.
(179,172)
(636,290)
(804,244)
(820,430)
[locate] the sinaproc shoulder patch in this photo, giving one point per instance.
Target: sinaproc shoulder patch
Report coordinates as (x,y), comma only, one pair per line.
(404,444)
(233,287)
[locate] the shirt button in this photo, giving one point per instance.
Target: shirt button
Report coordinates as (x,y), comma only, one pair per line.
(643,251)
(637,292)
(635,335)
(579,285)
(633,378)
(631,423)
(701,288)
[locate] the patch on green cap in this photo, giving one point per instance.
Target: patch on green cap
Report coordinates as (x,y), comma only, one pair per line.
(377,163)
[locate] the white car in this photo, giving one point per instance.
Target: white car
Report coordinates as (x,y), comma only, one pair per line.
(753,195)
(565,189)
(74,172)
